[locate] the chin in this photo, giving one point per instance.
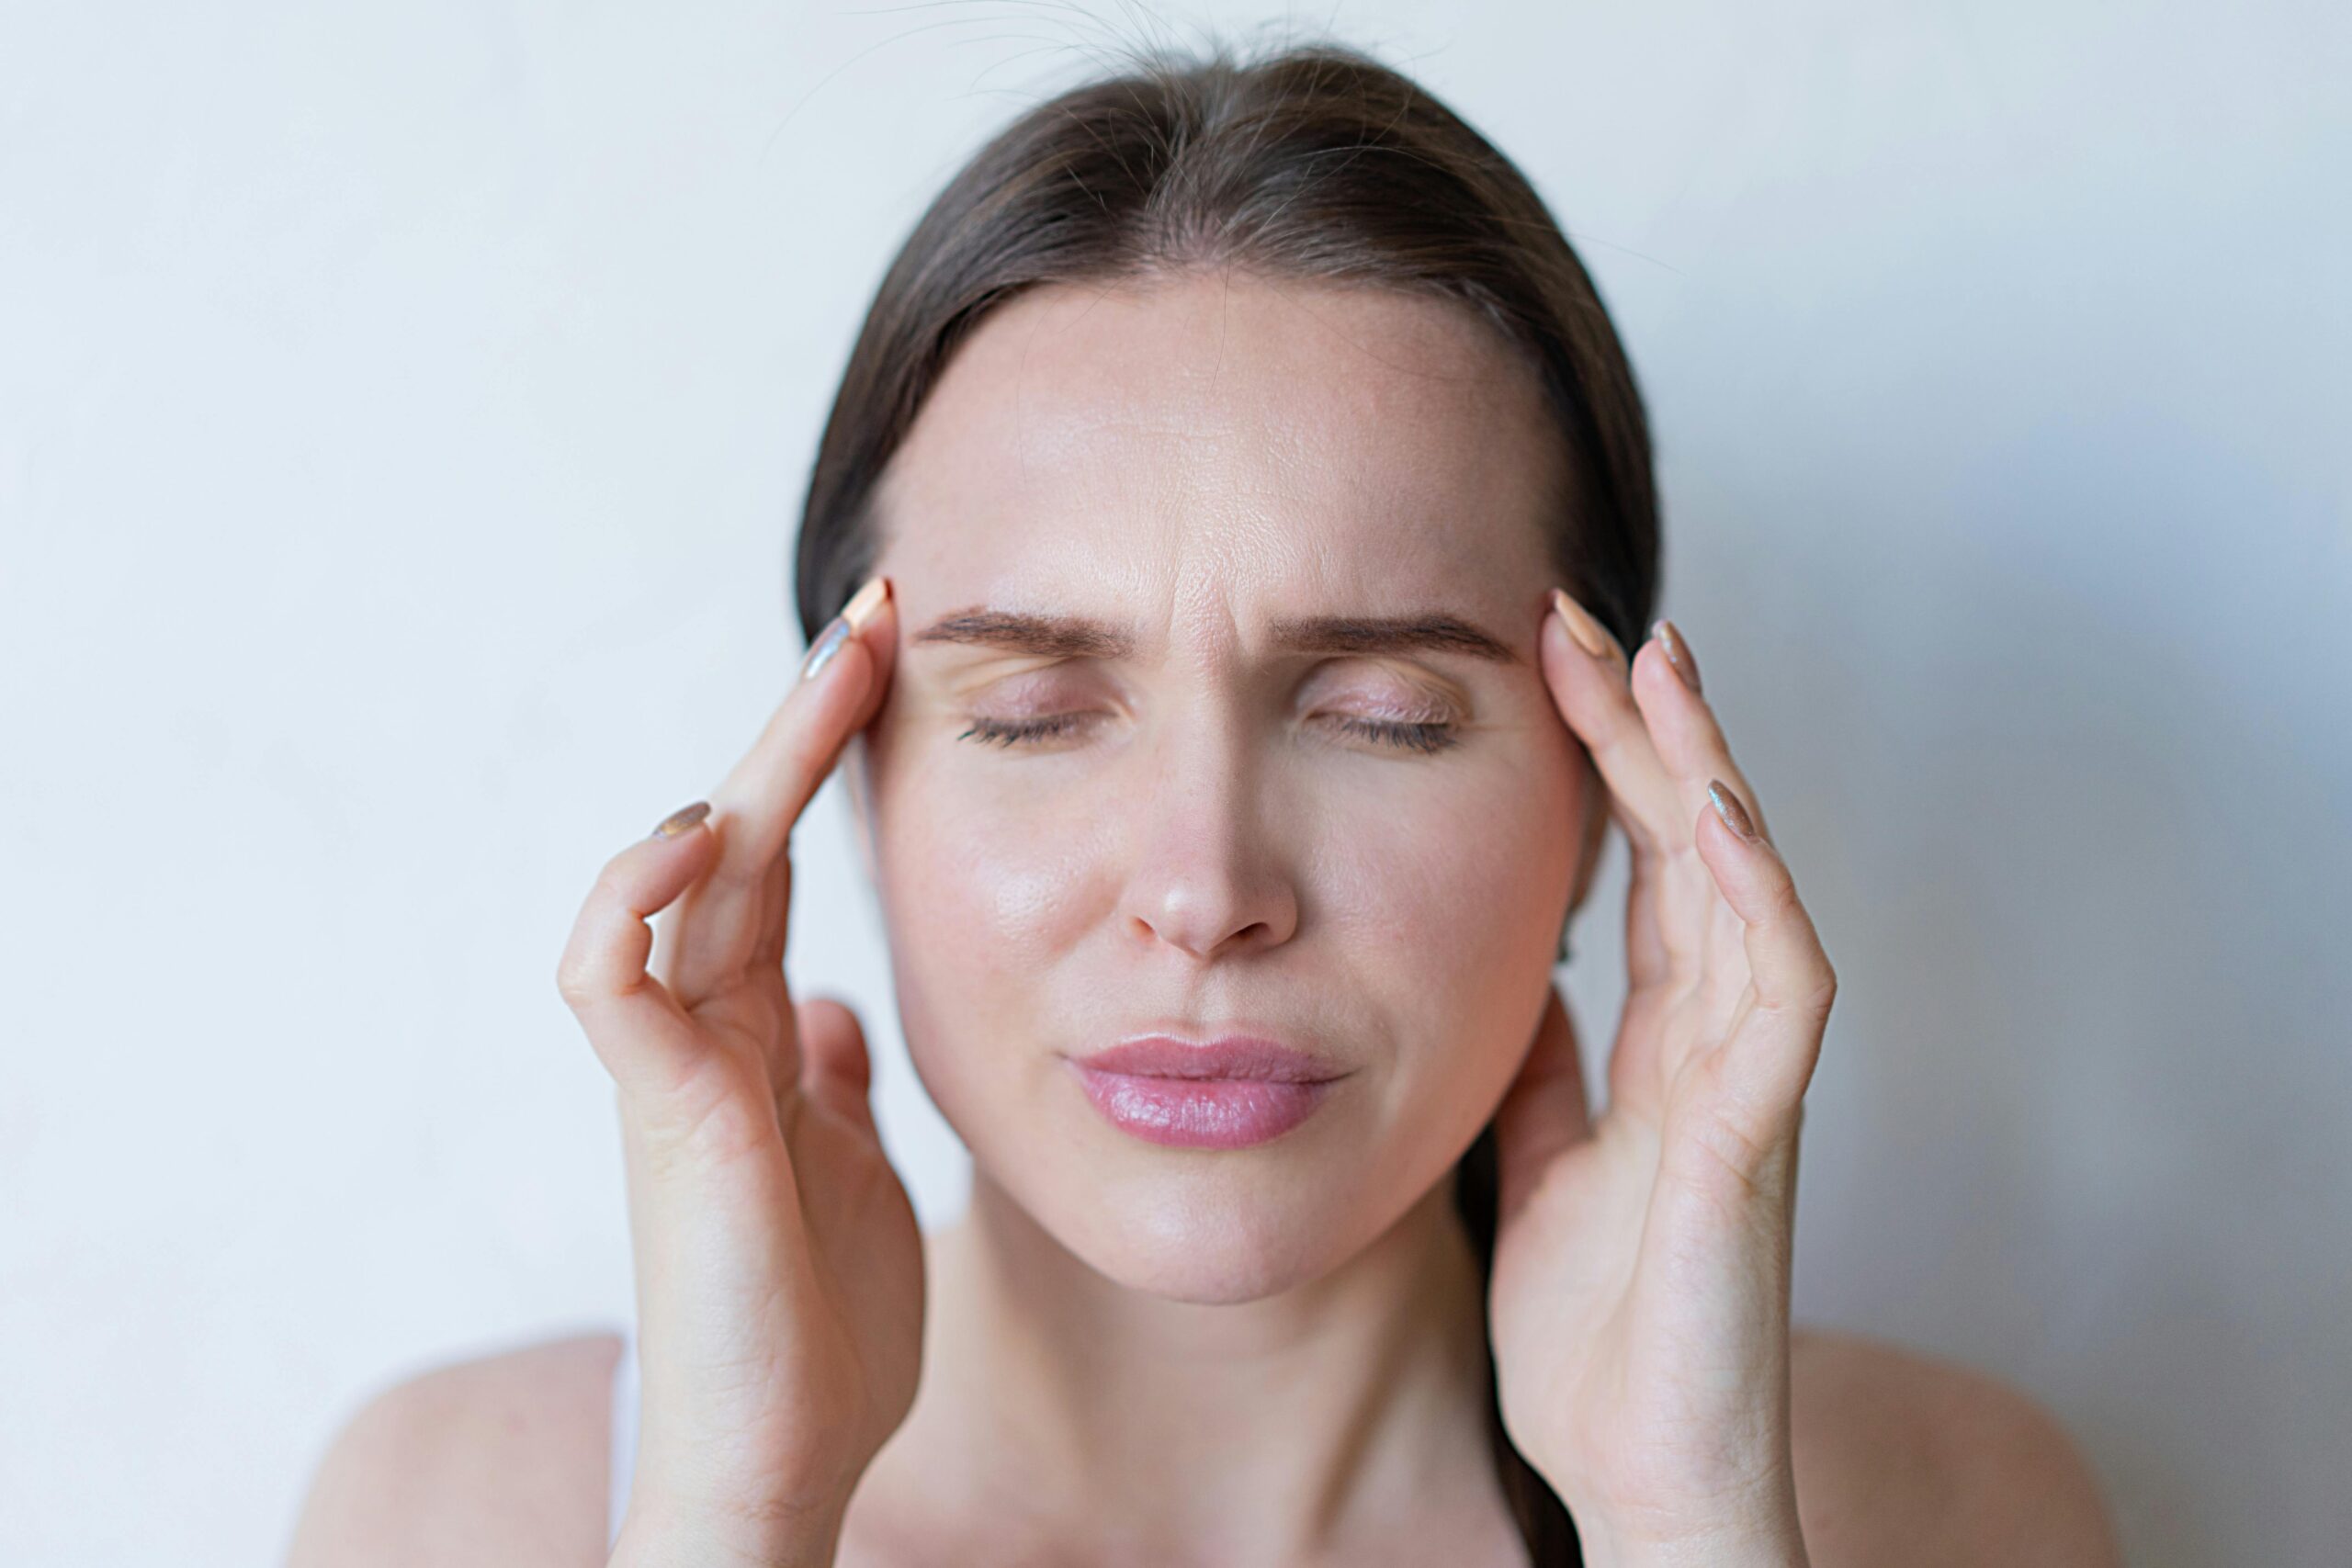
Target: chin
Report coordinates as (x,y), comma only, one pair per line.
(1212,1253)
(1211,1228)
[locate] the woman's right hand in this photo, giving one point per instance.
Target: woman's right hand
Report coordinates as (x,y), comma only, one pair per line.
(778,1262)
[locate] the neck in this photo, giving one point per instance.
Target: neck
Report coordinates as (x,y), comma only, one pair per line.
(1349,1408)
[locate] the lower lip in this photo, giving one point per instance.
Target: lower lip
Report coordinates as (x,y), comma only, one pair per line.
(1200,1114)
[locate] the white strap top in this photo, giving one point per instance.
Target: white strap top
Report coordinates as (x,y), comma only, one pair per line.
(623,1451)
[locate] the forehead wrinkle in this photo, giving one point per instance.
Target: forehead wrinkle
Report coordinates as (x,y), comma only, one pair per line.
(1201,576)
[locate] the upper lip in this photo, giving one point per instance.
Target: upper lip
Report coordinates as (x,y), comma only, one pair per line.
(1226,1057)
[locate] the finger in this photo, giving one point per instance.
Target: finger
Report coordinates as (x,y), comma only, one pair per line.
(1771,1056)
(837,1071)
(1683,723)
(877,639)
(1666,684)
(726,926)
(639,1031)
(1648,959)
(1544,1110)
(1590,690)
(1589,687)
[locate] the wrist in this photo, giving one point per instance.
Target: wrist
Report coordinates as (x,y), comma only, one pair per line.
(1771,1542)
(654,1535)
(1653,1507)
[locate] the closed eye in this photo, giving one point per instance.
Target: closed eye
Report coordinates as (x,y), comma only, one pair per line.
(1019,731)
(1425,737)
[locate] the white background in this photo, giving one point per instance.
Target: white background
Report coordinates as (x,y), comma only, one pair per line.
(405,413)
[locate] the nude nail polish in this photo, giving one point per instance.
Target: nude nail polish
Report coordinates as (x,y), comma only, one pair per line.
(1677,651)
(1589,634)
(841,627)
(681,819)
(1728,808)
(864,601)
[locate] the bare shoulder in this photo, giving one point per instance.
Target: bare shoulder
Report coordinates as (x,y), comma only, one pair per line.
(1903,1458)
(500,1459)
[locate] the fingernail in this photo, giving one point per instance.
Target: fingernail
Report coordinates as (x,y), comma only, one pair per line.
(1677,651)
(1728,808)
(681,819)
(864,601)
(1591,634)
(839,630)
(820,652)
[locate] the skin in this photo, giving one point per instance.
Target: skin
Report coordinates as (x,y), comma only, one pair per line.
(1129,1353)
(1215,845)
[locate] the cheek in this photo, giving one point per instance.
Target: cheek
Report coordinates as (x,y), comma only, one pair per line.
(1451,900)
(1460,883)
(983,888)
(997,881)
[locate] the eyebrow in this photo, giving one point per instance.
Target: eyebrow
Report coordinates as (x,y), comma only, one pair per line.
(1076,636)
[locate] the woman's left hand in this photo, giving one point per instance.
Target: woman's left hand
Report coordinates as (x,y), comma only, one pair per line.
(1639,1302)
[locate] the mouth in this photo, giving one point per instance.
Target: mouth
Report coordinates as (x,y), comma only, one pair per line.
(1229,1093)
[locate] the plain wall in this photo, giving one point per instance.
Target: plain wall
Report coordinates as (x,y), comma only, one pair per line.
(404,413)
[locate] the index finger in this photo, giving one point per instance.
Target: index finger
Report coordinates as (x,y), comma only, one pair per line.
(1585,669)
(731,922)
(1589,686)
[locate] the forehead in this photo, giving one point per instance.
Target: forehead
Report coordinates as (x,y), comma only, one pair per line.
(1296,437)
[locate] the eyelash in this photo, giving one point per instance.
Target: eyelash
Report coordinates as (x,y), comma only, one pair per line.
(1425,739)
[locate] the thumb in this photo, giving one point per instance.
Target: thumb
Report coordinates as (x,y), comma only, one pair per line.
(836,1072)
(1544,1111)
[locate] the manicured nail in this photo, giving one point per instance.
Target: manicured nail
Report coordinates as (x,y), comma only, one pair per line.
(1728,808)
(1591,634)
(820,652)
(1677,651)
(681,819)
(839,630)
(864,601)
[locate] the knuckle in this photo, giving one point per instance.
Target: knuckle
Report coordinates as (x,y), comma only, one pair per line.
(575,969)
(574,983)
(578,972)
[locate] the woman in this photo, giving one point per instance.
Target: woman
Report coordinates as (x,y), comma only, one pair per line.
(1222,557)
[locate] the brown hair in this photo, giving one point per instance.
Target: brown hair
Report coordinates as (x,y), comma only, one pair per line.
(1315,163)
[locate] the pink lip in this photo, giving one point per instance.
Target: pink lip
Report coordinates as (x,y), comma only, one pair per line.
(1229,1093)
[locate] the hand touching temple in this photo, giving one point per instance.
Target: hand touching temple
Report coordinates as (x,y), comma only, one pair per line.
(1219,564)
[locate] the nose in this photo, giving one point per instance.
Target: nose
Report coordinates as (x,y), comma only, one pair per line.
(1208,876)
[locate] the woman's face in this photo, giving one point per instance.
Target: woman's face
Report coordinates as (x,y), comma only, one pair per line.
(1232,823)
